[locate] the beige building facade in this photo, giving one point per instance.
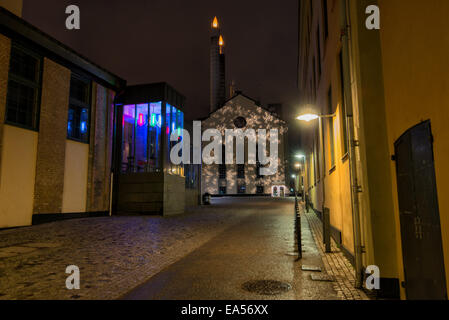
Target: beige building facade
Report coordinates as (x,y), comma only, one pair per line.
(56,122)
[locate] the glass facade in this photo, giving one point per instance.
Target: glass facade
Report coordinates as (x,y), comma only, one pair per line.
(142,127)
(174,121)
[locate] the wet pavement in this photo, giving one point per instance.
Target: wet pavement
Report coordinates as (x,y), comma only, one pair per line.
(214,252)
(260,247)
(114,254)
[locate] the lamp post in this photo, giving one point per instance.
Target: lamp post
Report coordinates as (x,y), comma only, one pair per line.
(303,170)
(325,215)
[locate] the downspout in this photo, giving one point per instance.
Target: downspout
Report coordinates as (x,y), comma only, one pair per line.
(352,142)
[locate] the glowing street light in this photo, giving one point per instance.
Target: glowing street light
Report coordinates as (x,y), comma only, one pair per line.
(300,156)
(293,176)
(297,165)
(308,117)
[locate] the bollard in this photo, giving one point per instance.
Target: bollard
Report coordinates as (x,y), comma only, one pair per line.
(326,229)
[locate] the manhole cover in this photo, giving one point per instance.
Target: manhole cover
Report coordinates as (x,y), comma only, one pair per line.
(267,287)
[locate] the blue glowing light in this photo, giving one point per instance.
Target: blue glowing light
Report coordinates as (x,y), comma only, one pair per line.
(83,127)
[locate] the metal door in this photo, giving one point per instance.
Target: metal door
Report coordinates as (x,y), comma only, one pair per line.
(419,215)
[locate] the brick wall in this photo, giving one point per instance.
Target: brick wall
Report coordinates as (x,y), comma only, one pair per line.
(52,138)
(5,51)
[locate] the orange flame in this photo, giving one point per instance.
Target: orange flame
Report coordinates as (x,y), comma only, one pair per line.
(221,41)
(215,23)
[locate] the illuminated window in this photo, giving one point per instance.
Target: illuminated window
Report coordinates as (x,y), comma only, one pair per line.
(141,137)
(24,86)
(79,109)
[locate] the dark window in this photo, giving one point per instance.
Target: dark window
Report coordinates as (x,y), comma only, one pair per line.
(343,108)
(191,173)
(318,44)
(222,171)
(222,166)
(258,166)
(24,85)
(314,79)
(259,189)
(79,109)
(241,188)
(331,130)
(222,190)
(325,18)
(241,171)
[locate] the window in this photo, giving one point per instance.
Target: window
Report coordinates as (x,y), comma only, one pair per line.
(24,86)
(259,189)
(241,188)
(314,79)
(222,171)
(258,165)
(191,172)
(331,130)
(222,166)
(79,109)
(325,18)
(222,190)
(344,129)
(318,45)
(241,171)
(142,138)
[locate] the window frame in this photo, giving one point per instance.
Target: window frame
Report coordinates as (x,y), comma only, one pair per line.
(241,168)
(77,104)
(37,86)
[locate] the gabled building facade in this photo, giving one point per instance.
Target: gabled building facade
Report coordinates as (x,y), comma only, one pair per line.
(242,112)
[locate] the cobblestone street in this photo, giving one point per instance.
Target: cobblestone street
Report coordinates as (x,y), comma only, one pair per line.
(113,254)
(209,253)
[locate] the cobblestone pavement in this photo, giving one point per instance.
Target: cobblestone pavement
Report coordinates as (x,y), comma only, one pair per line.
(336,264)
(239,263)
(114,254)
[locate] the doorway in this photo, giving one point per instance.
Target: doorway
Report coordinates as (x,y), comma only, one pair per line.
(419,215)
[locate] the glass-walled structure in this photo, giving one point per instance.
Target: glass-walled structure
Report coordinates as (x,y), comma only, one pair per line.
(145,129)
(145,118)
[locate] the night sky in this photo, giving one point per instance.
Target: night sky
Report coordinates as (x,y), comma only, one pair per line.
(145,41)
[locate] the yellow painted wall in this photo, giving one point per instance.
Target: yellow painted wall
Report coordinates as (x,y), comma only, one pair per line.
(415,51)
(338,190)
(75,177)
(15,6)
(18,173)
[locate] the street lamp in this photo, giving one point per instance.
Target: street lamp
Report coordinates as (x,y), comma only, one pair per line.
(308,117)
(303,169)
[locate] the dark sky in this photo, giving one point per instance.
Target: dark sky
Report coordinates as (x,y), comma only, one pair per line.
(145,41)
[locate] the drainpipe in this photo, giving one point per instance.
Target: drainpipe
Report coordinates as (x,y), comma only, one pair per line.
(355,187)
